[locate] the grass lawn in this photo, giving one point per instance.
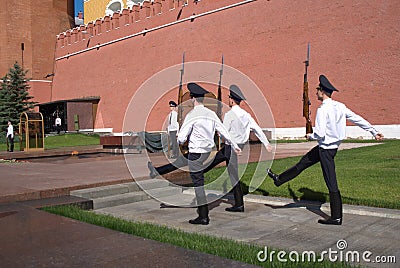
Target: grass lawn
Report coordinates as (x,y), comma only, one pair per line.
(65,140)
(62,140)
(367,176)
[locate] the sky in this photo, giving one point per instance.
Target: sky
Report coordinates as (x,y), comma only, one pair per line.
(78,6)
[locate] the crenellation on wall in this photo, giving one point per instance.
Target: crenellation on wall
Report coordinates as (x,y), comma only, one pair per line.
(115,20)
(60,40)
(82,33)
(98,27)
(68,38)
(107,23)
(157,7)
(125,14)
(170,4)
(146,9)
(90,29)
(75,35)
(137,17)
(135,11)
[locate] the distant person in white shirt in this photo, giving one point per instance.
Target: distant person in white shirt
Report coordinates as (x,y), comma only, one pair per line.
(173,128)
(58,124)
(10,136)
(198,129)
(329,131)
(238,122)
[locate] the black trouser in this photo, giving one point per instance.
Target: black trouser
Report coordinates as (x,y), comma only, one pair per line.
(10,143)
(223,155)
(326,159)
(174,143)
(181,161)
(227,154)
(196,167)
(315,155)
(58,129)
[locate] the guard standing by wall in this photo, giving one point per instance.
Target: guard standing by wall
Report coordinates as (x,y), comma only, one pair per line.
(10,136)
(173,128)
(58,124)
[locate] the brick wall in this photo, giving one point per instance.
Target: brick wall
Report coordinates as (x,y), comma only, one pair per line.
(354,43)
(36,24)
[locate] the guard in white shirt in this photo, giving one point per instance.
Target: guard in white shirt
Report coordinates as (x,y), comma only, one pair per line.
(329,131)
(238,122)
(58,124)
(10,136)
(173,128)
(199,128)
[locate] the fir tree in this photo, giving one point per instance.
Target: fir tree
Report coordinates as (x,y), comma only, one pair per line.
(14,96)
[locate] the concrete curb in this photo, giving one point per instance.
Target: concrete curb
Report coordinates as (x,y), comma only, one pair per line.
(348,209)
(312,205)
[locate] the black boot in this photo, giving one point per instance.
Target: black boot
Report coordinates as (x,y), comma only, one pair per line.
(285,176)
(203,218)
(235,209)
(336,210)
(274,177)
(238,194)
(153,171)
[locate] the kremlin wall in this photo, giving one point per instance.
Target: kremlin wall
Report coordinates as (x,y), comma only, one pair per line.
(354,43)
(28,36)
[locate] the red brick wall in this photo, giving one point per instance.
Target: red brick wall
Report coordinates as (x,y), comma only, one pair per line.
(354,43)
(40,90)
(36,24)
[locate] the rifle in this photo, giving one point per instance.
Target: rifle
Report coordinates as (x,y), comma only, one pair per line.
(219,107)
(306,99)
(217,138)
(180,93)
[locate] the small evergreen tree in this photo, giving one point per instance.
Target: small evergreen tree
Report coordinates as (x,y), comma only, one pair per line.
(14,96)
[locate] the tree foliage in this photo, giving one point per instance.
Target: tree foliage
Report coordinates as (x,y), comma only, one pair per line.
(14,96)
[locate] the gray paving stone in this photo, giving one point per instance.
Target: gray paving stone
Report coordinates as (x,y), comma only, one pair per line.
(291,229)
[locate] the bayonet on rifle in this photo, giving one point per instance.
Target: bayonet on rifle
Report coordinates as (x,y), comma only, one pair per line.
(180,92)
(219,106)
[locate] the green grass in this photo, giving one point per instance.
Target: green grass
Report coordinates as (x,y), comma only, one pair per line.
(367,176)
(344,141)
(63,140)
(66,140)
(222,247)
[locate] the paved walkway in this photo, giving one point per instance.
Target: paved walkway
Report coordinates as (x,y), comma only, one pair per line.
(32,238)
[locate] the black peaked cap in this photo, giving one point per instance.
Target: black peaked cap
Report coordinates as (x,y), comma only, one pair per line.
(196,90)
(236,93)
(325,85)
(172,104)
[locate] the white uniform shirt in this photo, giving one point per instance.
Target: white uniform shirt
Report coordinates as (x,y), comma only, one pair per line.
(330,124)
(173,121)
(238,122)
(199,127)
(10,131)
(58,121)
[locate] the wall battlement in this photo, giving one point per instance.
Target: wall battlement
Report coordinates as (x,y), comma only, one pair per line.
(136,19)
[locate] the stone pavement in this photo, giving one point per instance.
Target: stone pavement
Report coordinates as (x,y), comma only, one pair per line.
(290,225)
(34,238)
